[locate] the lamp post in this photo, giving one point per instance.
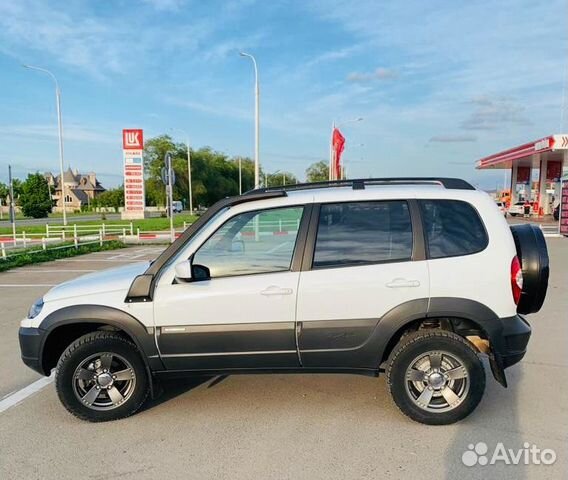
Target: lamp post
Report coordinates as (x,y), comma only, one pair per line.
(331,152)
(12,203)
(60,130)
(188,169)
(256,120)
(240,178)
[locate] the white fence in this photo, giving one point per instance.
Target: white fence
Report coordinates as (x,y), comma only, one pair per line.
(6,254)
(55,234)
(125,232)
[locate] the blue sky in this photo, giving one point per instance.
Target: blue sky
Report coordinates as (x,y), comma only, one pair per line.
(439,83)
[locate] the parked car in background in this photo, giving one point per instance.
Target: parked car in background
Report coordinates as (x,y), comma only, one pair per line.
(502,208)
(517,209)
(177,206)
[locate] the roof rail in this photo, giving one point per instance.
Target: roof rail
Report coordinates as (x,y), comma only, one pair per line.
(360,183)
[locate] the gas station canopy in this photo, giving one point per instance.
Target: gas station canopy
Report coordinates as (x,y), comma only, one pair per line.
(552,148)
(547,156)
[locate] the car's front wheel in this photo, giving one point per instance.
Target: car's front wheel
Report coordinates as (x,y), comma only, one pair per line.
(101,376)
(435,377)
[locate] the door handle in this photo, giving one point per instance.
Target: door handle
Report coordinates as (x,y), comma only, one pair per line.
(275,290)
(402,283)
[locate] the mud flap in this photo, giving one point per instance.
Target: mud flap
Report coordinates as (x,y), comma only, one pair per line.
(497,370)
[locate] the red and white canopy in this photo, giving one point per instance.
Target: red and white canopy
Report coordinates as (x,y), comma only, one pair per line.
(528,154)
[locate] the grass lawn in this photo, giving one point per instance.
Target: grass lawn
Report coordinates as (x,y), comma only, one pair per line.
(37,255)
(147,224)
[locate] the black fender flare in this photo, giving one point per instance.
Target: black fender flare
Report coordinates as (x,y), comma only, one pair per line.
(142,336)
(440,307)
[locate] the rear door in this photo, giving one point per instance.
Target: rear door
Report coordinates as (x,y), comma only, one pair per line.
(365,260)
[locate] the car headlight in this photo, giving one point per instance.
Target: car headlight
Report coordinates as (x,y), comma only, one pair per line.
(35,309)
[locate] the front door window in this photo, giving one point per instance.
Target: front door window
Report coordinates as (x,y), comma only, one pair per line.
(261,241)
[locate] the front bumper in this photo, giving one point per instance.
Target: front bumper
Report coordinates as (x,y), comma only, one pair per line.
(31,343)
(509,343)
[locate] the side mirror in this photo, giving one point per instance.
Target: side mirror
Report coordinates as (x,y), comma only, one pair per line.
(186,272)
(183,270)
(200,272)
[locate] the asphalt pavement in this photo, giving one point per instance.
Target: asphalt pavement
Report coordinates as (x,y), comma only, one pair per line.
(280,426)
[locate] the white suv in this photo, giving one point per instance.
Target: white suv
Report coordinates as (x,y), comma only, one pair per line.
(415,277)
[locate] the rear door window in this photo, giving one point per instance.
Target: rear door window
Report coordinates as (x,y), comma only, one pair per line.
(452,228)
(359,233)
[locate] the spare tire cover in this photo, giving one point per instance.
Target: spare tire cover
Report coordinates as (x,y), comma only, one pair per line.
(533,255)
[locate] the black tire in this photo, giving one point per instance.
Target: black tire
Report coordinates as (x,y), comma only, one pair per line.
(121,351)
(533,255)
(451,346)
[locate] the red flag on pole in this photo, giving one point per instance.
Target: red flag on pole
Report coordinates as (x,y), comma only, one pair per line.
(338,144)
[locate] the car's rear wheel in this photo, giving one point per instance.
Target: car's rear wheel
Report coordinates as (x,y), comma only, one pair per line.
(435,377)
(101,377)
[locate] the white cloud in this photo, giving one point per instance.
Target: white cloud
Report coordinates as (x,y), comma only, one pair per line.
(71,132)
(494,114)
(453,138)
(380,73)
(101,46)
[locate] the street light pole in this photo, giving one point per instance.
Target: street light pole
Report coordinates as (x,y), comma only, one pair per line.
(60,130)
(240,178)
(188,169)
(189,177)
(256,120)
(12,203)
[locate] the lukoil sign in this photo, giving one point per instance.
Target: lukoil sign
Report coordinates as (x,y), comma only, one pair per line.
(133,167)
(132,139)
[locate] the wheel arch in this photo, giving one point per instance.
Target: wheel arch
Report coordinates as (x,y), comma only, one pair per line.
(461,315)
(64,326)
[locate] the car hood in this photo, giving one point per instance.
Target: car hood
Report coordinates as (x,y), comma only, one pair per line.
(98,282)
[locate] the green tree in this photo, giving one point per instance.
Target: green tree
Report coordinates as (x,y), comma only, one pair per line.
(3,192)
(281,178)
(214,174)
(113,197)
(35,197)
(318,172)
(17,185)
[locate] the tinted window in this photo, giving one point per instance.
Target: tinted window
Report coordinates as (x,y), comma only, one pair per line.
(252,242)
(363,232)
(452,228)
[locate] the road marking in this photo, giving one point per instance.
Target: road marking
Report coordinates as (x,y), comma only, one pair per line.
(9,285)
(19,396)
